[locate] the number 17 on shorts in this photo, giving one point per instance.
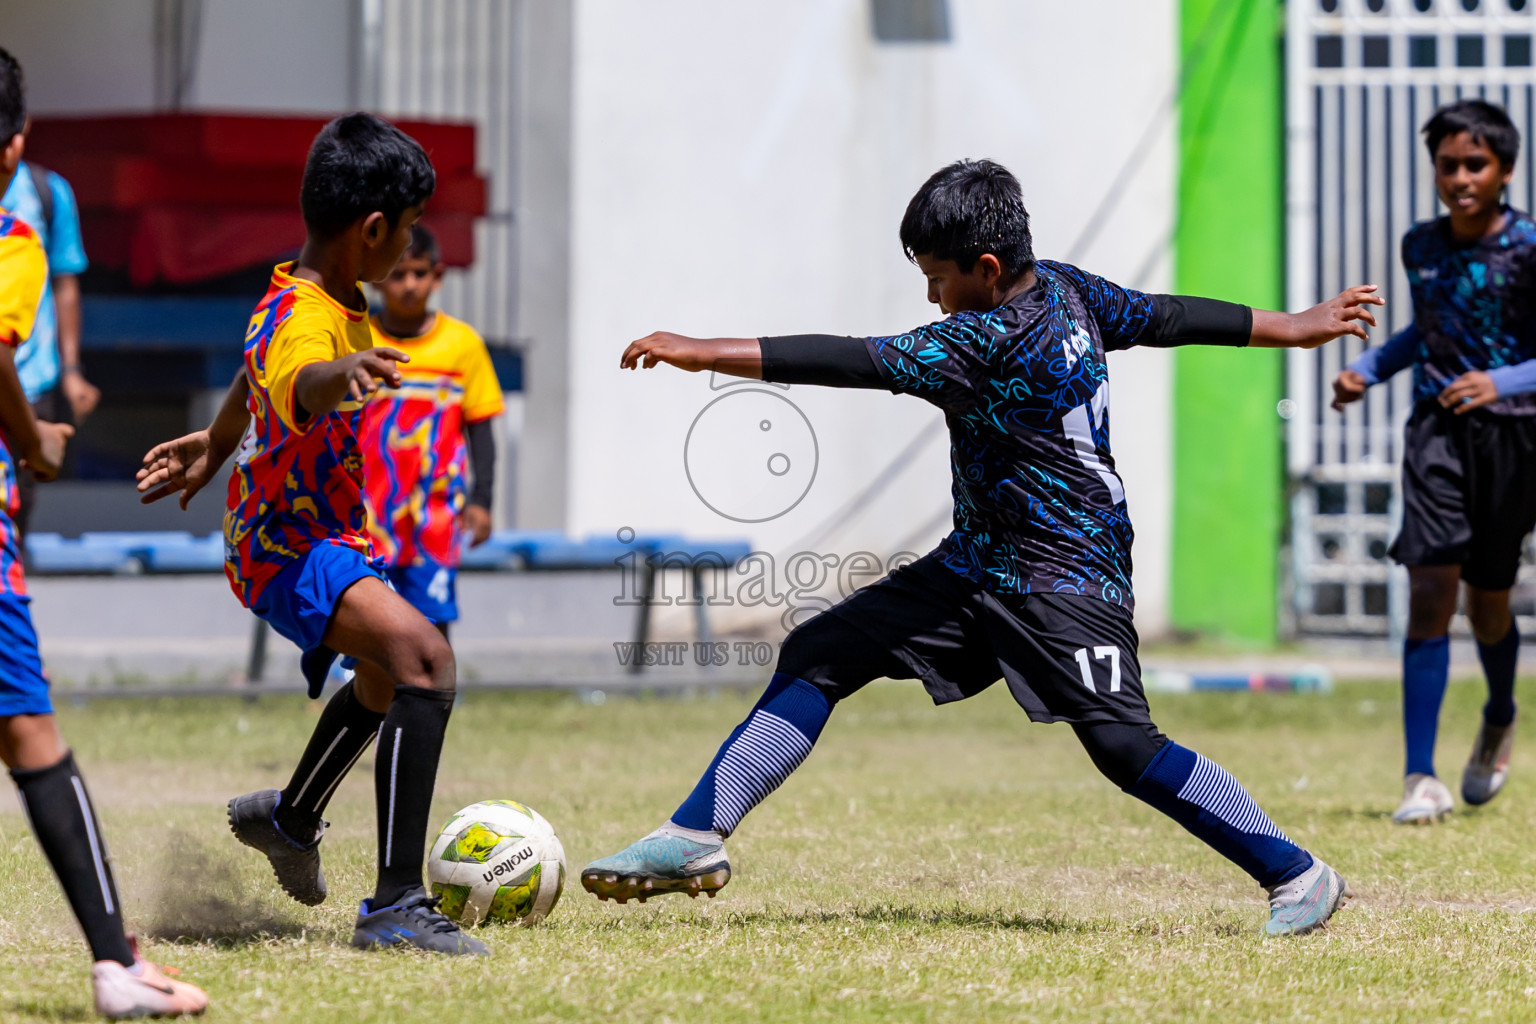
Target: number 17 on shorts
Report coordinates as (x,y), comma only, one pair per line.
(1087,655)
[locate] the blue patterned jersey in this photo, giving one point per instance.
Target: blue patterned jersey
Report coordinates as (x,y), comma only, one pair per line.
(1474,305)
(1025,392)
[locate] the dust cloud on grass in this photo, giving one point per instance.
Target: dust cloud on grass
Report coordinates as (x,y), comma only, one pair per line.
(206,891)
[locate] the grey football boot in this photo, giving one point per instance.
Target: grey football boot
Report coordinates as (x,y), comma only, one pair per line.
(414,922)
(1488,768)
(296,864)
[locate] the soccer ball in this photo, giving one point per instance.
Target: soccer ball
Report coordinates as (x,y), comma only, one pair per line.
(497,861)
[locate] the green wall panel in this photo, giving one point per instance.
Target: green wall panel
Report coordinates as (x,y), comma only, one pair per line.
(1228,459)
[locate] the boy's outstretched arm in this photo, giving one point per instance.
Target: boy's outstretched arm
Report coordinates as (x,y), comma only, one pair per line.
(186,464)
(318,388)
(1345,313)
(826,359)
(739,357)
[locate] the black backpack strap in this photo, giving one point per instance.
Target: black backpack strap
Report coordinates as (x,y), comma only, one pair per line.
(39,175)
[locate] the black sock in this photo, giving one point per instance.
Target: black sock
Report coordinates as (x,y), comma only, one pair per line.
(404,774)
(1499,663)
(344,731)
(70,837)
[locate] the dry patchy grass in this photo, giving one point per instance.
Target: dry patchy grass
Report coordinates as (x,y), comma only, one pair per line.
(956,864)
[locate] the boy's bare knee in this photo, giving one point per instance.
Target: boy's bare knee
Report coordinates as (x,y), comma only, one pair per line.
(30,741)
(443,666)
(427,661)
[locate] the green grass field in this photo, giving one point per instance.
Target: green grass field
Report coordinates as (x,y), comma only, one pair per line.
(957,864)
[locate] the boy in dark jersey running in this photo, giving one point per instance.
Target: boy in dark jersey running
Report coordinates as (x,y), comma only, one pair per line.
(1034,583)
(1469,454)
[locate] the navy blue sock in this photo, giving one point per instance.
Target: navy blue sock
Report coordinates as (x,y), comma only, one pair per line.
(1426,663)
(759,755)
(1199,794)
(1499,661)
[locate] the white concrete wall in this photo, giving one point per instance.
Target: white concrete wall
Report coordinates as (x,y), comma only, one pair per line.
(742,168)
(83,56)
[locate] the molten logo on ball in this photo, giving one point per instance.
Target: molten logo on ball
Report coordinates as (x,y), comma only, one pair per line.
(751,455)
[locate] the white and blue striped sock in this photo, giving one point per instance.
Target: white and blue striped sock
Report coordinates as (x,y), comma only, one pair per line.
(1212,787)
(1203,797)
(759,755)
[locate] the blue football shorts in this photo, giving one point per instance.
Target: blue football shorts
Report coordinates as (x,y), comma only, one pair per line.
(23,687)
(300,601)
(431,589)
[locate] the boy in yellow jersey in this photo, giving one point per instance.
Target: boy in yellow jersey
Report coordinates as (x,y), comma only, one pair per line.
(297,551)
(420,439)
(52,790)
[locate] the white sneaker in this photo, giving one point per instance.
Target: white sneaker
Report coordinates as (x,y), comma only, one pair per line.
(121,993)
(1488,768)
(1425,800)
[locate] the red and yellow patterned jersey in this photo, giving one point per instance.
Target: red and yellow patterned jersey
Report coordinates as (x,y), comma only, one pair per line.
(23,272)
(414,455)
(295,484)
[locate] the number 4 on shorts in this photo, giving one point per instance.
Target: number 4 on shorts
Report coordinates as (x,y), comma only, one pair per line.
(438,589)
(1086,668)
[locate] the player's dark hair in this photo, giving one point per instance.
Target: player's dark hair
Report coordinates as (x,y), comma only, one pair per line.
(968,209)
(360,164)
(1485,122)
(13,98)
(423,245)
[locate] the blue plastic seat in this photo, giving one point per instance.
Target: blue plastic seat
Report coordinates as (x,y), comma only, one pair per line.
(133,542)
(718,553)
(599,551)
(504,549)
(49,554)
(189,554)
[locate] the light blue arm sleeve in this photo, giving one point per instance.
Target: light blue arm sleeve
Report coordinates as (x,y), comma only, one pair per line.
(66,251)
(1516,379)
(1380,363)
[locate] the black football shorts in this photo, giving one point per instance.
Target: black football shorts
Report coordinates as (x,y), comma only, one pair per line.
(1065,658)
(1469,493)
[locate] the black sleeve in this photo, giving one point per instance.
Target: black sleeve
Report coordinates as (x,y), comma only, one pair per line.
(482,462)
(819,359)
(1186,320)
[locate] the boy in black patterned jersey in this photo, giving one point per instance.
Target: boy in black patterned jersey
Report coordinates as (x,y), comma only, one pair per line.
(1034,583)
(1469,453)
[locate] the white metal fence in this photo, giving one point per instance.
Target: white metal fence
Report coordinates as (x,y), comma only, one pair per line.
(1362,77)
(457,60)
(454,59)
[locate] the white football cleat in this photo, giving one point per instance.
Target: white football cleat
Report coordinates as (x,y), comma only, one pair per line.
(1488,768)
(121,993)
(1425,800)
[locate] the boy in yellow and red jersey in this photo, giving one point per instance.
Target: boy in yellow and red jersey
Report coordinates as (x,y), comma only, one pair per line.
(420,439)
(297,551)
(52,790)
